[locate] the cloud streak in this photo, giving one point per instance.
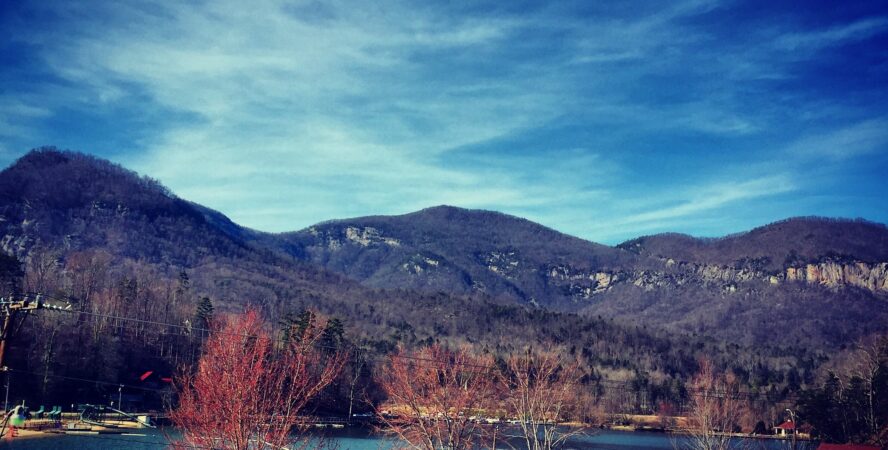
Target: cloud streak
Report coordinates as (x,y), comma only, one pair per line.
(858,139)
(602,121)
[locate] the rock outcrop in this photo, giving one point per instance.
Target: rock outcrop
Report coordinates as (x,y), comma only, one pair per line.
(873,277)
(583,285)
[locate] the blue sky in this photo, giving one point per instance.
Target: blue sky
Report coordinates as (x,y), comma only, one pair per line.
(606,120)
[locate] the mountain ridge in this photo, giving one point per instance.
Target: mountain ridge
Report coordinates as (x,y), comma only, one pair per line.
(155,261)
(56,156)
(450,245)
(670,280)
(805,239)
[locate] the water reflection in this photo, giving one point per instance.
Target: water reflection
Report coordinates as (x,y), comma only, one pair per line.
(362,439)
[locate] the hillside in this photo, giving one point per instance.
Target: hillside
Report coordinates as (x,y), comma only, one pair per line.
(815,280)
(827,277)
(455,250)
(70,200)
(121,245)
(776,246)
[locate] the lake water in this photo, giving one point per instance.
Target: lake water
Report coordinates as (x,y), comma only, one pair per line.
(359,439)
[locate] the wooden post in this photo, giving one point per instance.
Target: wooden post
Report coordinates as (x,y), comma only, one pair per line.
(7,322)
(4,335)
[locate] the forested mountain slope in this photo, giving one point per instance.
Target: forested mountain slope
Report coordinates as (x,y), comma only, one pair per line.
(121,246)
(773,247)
(455,250)
(821,282)
(826,278)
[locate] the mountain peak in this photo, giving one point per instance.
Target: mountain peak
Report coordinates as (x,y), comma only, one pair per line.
(448,212)
(816,222)
(59,198)
(793,240)
(44,157)
(64,179)
(442,208)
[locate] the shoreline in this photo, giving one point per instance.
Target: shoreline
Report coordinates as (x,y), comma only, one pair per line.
(75,428)
(71,428)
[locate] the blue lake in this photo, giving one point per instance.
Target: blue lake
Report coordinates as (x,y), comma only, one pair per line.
(359,439)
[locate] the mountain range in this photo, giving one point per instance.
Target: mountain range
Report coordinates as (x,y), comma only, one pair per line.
(813,282)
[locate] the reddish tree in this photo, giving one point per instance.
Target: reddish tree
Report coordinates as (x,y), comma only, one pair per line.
(716,410)
(244,392)
(434,395)
(541,389)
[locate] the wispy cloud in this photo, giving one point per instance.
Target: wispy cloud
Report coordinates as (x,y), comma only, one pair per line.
(283,114)
(16,114)
(845,142)
(817,39)
(708,198)
(690,204)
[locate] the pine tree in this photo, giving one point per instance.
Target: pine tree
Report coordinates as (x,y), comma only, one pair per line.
(333,335)
(294,326)
(203,315)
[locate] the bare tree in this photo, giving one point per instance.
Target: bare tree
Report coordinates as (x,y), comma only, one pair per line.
(433,394)
(540,389)
(716,409)
(87,271)
(244,395)
(358,363)
(882,437)
(868,360)
(43,271)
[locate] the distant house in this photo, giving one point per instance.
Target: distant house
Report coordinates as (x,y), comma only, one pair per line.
(847,447)
(787,428)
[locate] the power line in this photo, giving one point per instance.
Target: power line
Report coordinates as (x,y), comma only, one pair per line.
(482,369)
(188,328)
(617,385)
(88,380)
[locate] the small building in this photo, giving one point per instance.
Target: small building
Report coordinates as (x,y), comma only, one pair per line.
(785,429)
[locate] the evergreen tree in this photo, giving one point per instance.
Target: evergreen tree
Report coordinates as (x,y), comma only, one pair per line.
(333,335)
(10,273)
(294,326)
(305,320)
(183,282)
(203,315)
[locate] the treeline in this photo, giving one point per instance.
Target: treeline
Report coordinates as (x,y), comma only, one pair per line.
(129,317)
(431,397)
(851,403)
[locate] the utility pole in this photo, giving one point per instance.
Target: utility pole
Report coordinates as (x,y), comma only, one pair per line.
(6,401)
(794,427)
(11,308)
(5,332)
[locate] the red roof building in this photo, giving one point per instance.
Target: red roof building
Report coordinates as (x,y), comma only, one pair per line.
(788,425)
(787,428)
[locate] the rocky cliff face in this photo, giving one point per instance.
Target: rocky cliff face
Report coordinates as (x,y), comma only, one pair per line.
(392,254)
(583,285)
(361,236)
(873,277)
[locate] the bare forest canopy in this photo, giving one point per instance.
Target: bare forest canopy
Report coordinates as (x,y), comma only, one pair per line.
(144,269)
